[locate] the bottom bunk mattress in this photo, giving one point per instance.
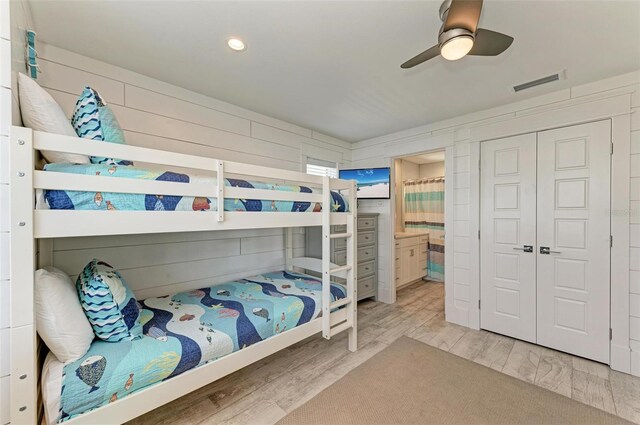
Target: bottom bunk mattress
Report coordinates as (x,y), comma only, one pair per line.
(182,332)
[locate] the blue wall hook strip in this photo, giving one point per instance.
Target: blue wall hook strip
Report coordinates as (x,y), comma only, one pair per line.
(32,54)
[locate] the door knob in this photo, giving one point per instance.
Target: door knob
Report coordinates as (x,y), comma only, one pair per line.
(546,250)
(525,248)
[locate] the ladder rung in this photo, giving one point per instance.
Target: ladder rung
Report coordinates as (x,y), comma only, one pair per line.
(340,235)
(340,328)
(340,269)
(340,303)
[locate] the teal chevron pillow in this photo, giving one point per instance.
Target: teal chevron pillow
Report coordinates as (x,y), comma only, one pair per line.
(93,119)
(109,304)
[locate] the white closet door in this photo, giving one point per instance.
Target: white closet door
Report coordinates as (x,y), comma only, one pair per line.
(573,223)
(508,228)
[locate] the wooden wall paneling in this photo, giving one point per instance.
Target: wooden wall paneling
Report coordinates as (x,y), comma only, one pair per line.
(160,104)
(72,81)
(156,238)
(136,256)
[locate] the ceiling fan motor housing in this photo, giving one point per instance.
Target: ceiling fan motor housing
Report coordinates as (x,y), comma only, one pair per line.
(443,37)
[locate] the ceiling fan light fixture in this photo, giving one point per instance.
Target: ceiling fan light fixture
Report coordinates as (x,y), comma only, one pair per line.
(456,47)
(236,44)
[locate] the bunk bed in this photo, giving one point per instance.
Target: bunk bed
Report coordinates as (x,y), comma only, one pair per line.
(290,199)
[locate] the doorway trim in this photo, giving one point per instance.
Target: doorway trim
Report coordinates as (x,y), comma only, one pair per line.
(617,109)
(430,144)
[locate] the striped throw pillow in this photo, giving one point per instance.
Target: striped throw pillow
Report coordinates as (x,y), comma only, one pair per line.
(109,304)
(93,119)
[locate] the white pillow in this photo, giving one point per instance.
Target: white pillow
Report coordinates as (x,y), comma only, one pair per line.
(41,112)
(60,320)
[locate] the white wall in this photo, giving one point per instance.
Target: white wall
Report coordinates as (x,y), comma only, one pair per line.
(15,18)
(410,170)
(5,120)
(461,294)
(435,169)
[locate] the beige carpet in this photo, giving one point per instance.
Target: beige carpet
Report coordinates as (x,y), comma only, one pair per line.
(413,383)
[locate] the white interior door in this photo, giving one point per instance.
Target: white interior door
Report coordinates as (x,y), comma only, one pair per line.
(573,294)
(508,229)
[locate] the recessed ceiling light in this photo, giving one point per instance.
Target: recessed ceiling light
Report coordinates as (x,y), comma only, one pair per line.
(236,44)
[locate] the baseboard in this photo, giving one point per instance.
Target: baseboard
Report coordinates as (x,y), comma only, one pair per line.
(621,359)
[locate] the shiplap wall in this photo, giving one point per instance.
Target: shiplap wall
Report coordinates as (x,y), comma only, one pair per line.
(160,116)
(634,240)
(379,152)
(5,121)
(161,264)
(15,18)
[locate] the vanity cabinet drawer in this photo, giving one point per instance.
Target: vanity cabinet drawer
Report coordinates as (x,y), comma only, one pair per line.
(366,269)
(405,242)
(366,238)
(366,223)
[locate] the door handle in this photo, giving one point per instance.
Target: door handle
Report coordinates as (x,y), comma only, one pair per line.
(525,248)
(546,250)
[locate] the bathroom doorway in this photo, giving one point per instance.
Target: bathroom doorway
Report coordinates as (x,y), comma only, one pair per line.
(419,225)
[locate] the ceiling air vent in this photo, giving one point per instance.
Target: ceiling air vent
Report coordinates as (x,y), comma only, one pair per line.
(540,81)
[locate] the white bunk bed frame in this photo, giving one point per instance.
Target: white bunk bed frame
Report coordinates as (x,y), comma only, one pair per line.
(30,229)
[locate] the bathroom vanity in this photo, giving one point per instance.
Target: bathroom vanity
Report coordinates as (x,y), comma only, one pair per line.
(411,255)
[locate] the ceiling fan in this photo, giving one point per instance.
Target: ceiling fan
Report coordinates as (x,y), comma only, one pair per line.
(460,36)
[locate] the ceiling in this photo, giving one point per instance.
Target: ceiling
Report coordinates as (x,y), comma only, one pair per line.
(426,158)
(334,66)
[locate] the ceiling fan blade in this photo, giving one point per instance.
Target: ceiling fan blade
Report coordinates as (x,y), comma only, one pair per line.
(490,43)
(422,57)
(463,14)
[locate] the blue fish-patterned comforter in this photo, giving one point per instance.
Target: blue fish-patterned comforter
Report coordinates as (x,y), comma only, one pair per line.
(190,329)
(75,200)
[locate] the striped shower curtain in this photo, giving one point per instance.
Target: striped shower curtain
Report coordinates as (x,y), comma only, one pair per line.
(424,212)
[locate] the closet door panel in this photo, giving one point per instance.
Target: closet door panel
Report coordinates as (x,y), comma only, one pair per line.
(508,223)
(573,290)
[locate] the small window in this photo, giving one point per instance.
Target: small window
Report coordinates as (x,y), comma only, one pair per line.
(318,167)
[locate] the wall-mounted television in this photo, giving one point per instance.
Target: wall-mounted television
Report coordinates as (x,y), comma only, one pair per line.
(372,183)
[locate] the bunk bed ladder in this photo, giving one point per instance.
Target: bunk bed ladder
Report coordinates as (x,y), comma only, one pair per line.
(348,270)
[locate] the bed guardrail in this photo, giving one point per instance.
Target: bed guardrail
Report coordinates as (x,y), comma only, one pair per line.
(78,223)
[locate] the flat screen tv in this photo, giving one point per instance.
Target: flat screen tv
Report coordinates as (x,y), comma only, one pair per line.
(372,183)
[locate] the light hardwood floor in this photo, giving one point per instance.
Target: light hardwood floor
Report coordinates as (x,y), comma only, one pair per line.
(264,392)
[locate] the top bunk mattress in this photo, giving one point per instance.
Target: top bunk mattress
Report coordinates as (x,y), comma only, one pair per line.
(182,332)
(77,200)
